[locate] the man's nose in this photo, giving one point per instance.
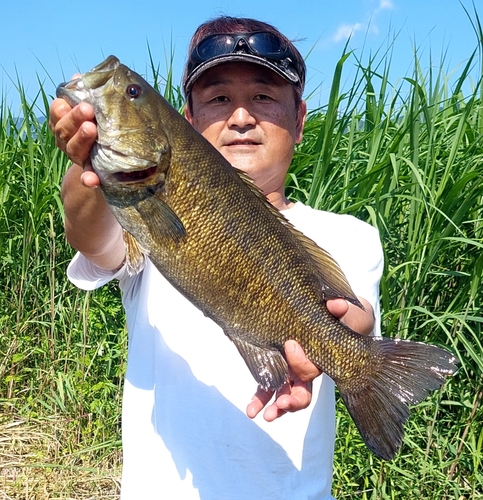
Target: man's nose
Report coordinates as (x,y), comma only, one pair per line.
(242,118)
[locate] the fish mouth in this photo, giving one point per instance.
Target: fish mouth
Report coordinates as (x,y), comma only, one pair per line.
(114,166)
(136,175)
(101,74)
(79,89)
(111,63)
(73,92)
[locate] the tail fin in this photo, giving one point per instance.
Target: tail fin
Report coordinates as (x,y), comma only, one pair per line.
(403,373)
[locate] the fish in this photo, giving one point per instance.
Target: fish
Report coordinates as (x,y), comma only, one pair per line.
(214,236)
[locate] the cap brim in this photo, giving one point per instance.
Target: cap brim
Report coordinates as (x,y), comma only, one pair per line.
(281,69)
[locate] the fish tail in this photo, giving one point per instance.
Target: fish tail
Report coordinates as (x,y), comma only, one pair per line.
(401,373)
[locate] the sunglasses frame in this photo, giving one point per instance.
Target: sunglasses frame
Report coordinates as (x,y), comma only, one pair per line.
(247,46)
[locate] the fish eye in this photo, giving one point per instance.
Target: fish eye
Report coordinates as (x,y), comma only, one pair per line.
(134,91)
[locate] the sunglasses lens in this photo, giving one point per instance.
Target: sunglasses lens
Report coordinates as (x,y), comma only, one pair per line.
(216,45)
(267,45)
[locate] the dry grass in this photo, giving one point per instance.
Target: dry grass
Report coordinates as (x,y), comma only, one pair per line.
(34,464)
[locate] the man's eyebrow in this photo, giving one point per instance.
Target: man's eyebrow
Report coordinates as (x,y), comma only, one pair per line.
(220,80)
(214,82)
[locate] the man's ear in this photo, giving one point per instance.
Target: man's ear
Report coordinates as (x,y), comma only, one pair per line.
(187,113)
(301,116)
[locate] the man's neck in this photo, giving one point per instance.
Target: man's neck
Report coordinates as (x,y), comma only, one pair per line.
(279,201)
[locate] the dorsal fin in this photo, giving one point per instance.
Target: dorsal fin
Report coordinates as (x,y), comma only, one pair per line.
(332,279)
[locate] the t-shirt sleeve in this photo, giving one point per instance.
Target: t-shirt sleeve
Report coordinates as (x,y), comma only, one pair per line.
(87,276)
(364,269)
(364,266)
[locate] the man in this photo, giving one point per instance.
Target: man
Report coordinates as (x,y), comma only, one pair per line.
(185,432)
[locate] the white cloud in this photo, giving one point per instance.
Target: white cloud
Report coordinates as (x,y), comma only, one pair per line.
(344,31)
(386,5)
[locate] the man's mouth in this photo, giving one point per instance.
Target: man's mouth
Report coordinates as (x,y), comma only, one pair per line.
(243,143)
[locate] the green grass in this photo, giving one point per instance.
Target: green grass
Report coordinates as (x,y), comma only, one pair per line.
(407,156)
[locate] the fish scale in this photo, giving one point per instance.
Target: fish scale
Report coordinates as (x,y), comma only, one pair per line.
(217,240)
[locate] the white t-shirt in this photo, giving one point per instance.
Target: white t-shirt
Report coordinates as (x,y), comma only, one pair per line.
(184,428)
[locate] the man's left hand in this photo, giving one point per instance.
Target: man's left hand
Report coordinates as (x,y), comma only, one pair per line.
(297,393)
(294,395)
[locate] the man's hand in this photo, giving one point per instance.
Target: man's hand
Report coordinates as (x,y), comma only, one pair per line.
(75,133)
(294,395)
(297,393)
(90,226)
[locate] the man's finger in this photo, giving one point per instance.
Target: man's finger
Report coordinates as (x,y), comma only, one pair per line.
(337,307)
(80,144)
(298,362)
(258,402)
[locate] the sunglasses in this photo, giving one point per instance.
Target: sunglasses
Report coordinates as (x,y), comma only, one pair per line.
(261,44)
(262,47)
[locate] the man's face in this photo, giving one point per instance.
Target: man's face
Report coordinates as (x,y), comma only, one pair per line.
(249,114)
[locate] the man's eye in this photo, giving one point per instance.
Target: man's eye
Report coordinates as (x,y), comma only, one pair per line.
(262,97)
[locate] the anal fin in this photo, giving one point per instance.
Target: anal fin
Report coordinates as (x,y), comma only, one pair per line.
(268,366)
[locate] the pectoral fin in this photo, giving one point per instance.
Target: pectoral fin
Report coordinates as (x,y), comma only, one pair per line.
(161,221)
(268,366)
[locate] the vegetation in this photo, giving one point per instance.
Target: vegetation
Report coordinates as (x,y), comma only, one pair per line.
(407,157)
(62,352)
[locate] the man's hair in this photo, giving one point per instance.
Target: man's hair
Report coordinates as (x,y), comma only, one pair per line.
(227,25)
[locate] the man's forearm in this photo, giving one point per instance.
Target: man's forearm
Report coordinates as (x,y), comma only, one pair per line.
(90,226)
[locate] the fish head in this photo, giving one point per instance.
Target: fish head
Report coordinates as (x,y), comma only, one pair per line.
(132,148)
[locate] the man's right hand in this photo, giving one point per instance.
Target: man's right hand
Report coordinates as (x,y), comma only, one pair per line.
(90,226)
(75,133)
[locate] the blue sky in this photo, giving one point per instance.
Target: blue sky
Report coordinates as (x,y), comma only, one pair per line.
(50,40)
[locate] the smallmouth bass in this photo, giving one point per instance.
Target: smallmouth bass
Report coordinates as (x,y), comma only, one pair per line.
(217,240)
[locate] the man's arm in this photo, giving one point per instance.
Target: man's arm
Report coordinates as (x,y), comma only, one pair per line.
(90,226)
(298,394)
